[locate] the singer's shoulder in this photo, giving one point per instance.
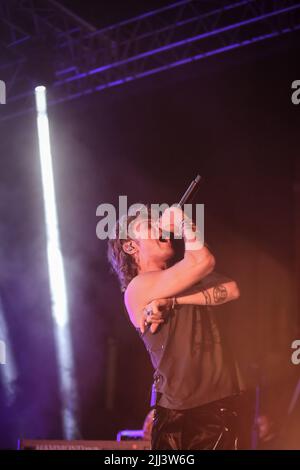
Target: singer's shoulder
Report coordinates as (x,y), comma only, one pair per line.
(136,295)
(139,286)
(140,281)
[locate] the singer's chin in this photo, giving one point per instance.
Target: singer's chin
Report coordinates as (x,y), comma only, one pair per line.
(167,248)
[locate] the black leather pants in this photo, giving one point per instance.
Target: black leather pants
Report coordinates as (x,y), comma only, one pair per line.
(220,425)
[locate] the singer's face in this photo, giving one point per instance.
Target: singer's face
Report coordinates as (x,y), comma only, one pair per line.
(149,241)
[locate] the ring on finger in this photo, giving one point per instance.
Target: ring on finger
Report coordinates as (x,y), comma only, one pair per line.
(148,311)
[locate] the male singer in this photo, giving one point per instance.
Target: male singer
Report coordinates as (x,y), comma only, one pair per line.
(199,399)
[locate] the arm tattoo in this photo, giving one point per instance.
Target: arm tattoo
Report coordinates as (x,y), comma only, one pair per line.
(220,294)
(206,297)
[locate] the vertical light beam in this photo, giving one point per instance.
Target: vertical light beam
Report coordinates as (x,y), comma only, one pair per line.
(59,301)
(8,368)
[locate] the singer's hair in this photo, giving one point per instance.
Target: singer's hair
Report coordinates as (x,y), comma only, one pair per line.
(122,264)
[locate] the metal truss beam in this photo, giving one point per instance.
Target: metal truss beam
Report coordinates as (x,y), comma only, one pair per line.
(85,60)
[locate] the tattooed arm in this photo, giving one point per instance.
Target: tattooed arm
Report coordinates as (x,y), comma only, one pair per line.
(216,295)
(215,289)
(213,296)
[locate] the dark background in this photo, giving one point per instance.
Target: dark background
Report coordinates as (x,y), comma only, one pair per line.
(229,118)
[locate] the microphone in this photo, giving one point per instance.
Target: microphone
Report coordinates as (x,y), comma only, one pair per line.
(190,192)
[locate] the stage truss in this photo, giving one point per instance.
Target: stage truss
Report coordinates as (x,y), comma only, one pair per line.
(40,40)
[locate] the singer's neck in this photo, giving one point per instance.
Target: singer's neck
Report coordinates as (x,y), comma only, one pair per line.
(146,265)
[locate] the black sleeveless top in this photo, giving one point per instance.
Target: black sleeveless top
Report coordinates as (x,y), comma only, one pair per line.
(187,354)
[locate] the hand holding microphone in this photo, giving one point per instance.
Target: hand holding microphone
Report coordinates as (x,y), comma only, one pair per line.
(171,220)
(175,221)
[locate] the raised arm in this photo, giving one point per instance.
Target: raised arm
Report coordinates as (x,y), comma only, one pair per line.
(197,263)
